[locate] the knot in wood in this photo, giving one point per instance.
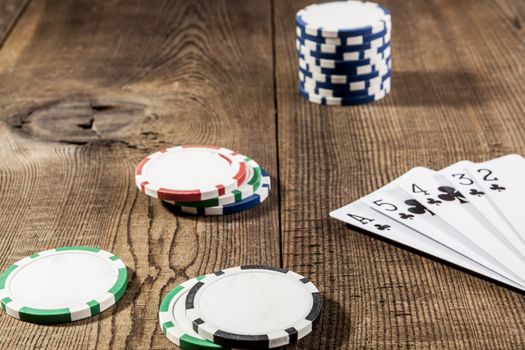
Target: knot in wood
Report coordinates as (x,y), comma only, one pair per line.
(82,121)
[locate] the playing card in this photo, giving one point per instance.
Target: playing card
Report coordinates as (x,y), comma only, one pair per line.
(477,196)
(398,205)
(439,196)
(503,181)
(360,215)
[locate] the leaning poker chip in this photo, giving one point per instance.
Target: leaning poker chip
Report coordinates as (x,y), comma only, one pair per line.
(250,202)
(62,285)
(250,185)
(174,323)
(349,40)
(343,101)
(345,56)
(343,18)
(254,306)
(190,173)
(344,94)
(352,86)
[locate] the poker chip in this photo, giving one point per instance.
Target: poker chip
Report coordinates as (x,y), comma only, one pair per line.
(173,321)
(343,78)
(343,101)
(344,43)
(62,285)
(203,180)
(338,78)
(250,185)
(348,40)
(252,201)
(352,55)
(190,173)
(343,19)
(253,307)
(347,86)
(342,65)
(340,49)
(346,93)
(379,66)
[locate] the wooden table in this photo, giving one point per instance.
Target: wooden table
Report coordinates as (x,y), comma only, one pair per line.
(88,88)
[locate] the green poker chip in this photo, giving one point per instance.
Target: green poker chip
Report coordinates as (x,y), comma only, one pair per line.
(62,285)
(174,323)
(245,190)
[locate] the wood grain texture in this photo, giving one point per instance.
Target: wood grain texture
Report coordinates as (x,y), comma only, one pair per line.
(457,94)
(10,11)
(87,89)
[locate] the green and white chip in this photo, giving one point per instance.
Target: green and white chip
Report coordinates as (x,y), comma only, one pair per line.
(62,285)
(174,323)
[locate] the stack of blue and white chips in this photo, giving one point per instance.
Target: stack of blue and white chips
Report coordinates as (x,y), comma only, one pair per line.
(344,52)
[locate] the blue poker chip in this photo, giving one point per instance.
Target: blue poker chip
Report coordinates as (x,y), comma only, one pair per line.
(313,46)
(380,66)
(339,64)
(379,52)
(365,31)
(344,41)
(347,86)
(341,79)
(343,101)
(250,202)
(341,19)
(382,51)
(345,93)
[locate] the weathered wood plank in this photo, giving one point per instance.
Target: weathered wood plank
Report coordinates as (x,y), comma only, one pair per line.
(10,11)
(89,88)
(457,94)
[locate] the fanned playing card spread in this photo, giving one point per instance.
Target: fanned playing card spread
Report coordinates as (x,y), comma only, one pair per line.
(468,214)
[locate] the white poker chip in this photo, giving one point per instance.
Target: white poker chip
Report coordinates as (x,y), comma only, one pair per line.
(343,18)
(174,323)
(62,285)
(190,173)
(253,307)
(251,184)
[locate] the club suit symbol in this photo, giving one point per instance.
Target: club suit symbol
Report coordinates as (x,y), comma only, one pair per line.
(450,194)
(496,187)
(474,192)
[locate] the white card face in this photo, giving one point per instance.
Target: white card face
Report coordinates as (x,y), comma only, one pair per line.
(439,195)
(397,204)
(503,181)
(465,183)
(360,215)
